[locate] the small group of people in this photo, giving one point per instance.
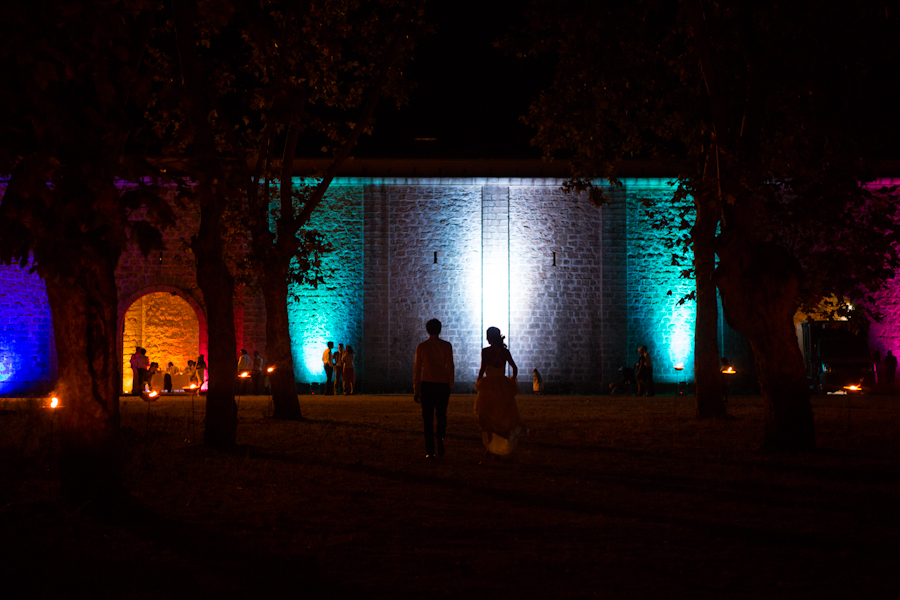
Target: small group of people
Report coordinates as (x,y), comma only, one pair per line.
(143,371)
(496,410)
(339,364)
(251,380)
(639,376)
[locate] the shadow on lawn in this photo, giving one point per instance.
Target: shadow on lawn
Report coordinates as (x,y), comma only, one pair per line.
(830,472)
(61,554)
(766,536)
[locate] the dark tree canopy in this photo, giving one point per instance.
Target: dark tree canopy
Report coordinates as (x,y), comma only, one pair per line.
(70,134)
(775,116)
(801,110)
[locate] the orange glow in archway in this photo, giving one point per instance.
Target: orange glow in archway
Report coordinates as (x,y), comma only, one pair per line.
(166,325)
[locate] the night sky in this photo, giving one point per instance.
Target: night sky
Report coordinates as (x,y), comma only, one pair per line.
(469,94)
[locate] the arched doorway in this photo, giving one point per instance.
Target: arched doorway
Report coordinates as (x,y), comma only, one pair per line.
(167,323)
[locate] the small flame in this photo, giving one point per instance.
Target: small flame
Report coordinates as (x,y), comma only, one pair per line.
(270,369)
(852,388)
(153,394)
(54,402)
(729,371)
(193,386)
(679,367)
(245,374)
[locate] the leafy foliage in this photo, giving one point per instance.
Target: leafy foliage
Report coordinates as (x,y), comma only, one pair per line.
(785,104)
(69,131)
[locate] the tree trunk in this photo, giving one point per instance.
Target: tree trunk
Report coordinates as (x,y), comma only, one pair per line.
(217,284)
(708,395)
(84,307)
(759,283)
(278,346)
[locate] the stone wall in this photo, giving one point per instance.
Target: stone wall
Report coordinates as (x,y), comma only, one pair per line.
(27,351)
(575,287)
(333,310)
(655,263)
(424,220)
(166,326)
(557,289)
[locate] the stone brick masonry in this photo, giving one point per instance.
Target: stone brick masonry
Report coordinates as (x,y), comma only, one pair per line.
(575,287)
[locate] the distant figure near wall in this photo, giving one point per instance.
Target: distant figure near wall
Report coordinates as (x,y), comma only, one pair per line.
(338,369)
(349,372)
(328,363)
(643,370)
(537,384)
(890,369)
(136,371)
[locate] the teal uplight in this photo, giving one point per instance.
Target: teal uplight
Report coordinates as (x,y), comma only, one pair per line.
(657,316)
(331,310)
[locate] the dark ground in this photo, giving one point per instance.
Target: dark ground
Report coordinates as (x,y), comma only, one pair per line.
(606,497)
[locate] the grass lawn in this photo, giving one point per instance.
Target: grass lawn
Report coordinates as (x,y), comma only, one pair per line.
(605,497)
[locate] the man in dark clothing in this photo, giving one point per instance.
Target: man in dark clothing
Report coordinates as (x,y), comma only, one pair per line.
(433,377)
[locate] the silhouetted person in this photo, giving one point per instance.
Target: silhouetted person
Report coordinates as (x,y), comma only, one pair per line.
(347,358)
(433,377)
(338,369)
(643,370)
(537,384)
(201,369)
(328,363)
(626,382)
(151,371)
(167,379)
(245,365)
(191,372)
(496,410)
(143,365)
(256,371)
(134,361)
(890,369)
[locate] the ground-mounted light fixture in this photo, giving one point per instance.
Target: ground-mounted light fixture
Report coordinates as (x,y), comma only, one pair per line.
(53,404)
(679,367)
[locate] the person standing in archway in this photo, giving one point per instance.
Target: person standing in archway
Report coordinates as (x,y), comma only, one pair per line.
(201,369)
(135,371)
(143,363)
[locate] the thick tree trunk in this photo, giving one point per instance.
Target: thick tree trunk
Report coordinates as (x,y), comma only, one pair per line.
(84,324)
(278,346)
(708,394)
(217,284)
(759,283)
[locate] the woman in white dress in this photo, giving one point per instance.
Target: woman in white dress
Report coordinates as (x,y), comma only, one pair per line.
(495,405)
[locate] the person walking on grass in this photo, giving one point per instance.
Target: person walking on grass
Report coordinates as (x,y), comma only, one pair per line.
(496,410)
(433,377)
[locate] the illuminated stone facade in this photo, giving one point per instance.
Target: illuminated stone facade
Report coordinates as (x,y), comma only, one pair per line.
(166,326)
(574,287)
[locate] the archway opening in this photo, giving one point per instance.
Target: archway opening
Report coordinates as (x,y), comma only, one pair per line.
(166,325)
